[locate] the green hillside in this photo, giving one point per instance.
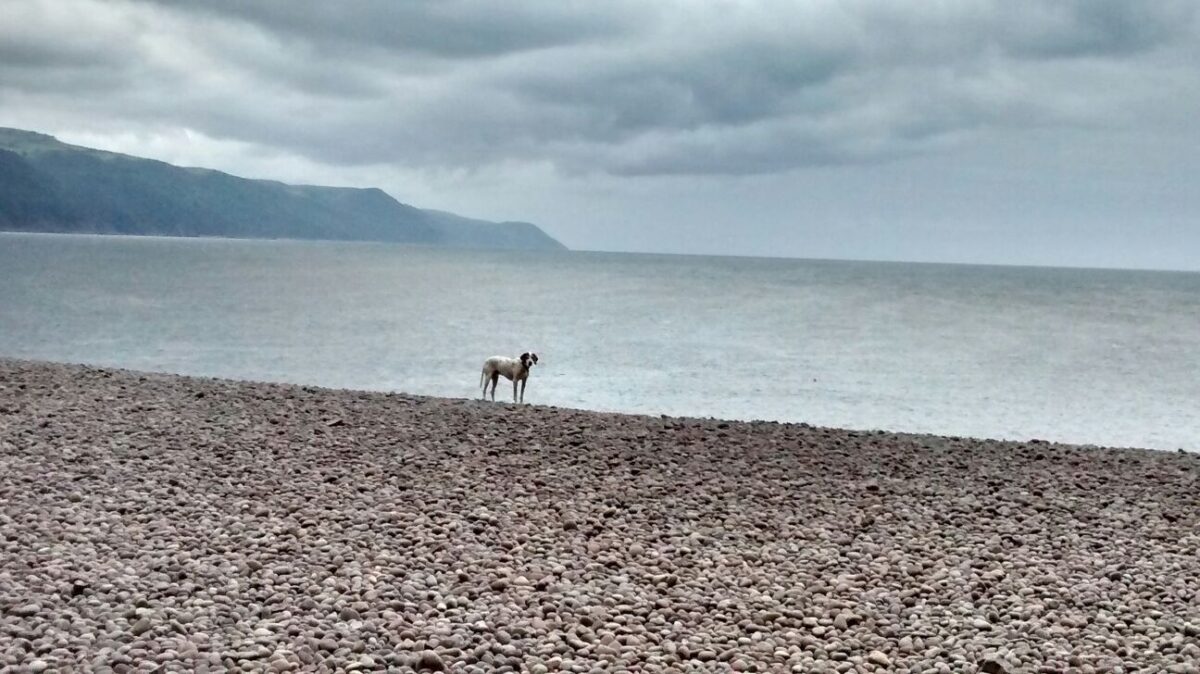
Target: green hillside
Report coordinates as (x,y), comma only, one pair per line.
(48,186)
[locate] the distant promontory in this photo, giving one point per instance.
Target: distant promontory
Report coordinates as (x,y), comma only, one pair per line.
(50,186)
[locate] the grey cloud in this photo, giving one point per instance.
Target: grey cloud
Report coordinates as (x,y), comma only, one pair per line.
(29,52)
(43,51)
(1039,30)
(459,29)
(1082,28)
(629,94)
(622,88)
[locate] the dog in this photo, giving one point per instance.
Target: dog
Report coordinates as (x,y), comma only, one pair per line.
(514,369)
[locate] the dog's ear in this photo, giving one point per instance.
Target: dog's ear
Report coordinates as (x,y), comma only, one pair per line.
(525,358)
(533,357)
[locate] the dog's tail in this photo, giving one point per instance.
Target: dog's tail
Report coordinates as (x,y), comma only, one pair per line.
(483,377)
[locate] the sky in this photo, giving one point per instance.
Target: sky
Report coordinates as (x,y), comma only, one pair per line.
(1046,132)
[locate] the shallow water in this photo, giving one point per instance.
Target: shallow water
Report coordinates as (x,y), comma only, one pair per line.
(1092,356)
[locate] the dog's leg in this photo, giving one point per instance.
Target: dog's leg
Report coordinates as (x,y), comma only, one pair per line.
(495,380)
(523,391)
(515,390)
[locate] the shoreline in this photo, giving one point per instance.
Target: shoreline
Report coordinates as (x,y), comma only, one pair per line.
(211,525)
(650,416)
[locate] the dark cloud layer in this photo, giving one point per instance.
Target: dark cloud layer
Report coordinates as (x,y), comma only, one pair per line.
(627,88)
(621,91)
(456,29)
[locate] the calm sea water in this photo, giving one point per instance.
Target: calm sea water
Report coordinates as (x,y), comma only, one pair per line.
(1091,356)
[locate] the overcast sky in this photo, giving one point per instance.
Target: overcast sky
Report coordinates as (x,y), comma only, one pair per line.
(1035,132)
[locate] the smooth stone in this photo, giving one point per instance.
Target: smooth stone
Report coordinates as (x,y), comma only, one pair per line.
(879,658)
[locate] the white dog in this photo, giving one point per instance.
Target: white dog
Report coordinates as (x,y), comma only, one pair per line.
(515,369)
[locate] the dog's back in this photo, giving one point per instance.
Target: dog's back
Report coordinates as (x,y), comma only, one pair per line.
(498,364)
(495,366)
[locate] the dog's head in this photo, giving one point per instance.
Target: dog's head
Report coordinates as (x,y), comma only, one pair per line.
(528,360)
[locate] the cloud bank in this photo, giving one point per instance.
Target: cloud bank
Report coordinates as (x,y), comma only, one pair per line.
(622,87)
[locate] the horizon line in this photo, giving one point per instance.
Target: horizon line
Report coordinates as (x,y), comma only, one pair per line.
(599,251)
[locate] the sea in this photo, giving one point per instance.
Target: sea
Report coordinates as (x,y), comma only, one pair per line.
(1089,356)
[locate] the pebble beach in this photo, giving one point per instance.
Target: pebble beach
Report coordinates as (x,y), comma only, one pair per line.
(164,523)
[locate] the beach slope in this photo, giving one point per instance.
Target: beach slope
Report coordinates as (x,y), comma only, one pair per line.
(205,525)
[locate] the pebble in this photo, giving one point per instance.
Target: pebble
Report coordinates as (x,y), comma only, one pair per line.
(430,661)
(993,666)
(879,658)
(239,530)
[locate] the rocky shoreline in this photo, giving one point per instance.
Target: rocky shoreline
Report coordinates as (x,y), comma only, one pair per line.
(164,523)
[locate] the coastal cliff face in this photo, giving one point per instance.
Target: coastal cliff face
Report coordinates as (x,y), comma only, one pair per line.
(49,186)
(214,525)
